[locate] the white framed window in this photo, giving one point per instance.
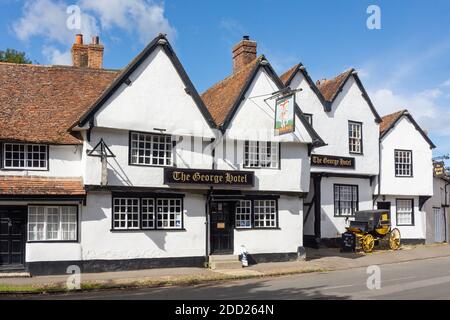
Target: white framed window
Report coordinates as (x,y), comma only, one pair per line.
(243,212)
(148,213)
(355,137)
(309,118)
(405,212)
(52,223)
(345,200)
(126,213)
(403,163)
(265,213)
(261,154)
(169,213)
(25,156)
(150,149)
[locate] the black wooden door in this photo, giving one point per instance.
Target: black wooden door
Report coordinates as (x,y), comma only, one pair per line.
(222,226)
(12,236)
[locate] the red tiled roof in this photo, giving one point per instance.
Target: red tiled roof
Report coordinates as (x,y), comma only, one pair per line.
(329,88)
(388,120)
(220,98)
(39,104)
(285,76)
(32,185)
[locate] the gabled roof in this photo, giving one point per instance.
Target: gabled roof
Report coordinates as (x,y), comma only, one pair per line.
(289,75)
(389,121)
(38,104)
(224,98)
(328,90)
(123,77)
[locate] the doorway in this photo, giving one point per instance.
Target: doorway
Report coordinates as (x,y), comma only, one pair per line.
(222,227)
(12,237)
(439,225)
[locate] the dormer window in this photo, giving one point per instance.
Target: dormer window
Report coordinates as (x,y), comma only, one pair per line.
(25,156)
(150,149)
(261,154)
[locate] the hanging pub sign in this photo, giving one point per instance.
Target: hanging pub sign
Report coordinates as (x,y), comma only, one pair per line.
(208,177)
(320,160)
(285,115)
(439,169)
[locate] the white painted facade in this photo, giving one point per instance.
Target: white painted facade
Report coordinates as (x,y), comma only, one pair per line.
(391,188)
(332,127)
(437,214)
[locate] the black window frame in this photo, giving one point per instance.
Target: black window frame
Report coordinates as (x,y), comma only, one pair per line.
(252,213)
(412,213)
(155,197)
(362,137)
(339,207)
(246,146)
(172,153)
(3,151)
(395,164)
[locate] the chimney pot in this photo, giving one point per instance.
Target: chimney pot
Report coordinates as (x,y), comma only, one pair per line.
(95,40)
(79,39)
(243,53)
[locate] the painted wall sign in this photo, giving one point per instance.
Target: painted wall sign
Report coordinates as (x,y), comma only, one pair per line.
(208,177)
(284,115)
(319,160)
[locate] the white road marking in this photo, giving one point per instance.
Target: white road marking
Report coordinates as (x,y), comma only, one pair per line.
(338,287)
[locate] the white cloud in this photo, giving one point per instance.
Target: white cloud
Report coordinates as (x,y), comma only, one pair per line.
(47,18)
(424,106)
(446,83)
(141,16)
(56,57)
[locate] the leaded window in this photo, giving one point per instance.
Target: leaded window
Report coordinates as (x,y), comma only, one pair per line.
(25,156)
(261,154)
(265,213)
(151,149)
(243,214)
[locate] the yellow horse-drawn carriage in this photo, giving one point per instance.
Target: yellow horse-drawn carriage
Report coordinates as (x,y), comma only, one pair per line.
(369,228)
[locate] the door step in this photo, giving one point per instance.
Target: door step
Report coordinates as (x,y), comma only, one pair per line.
(224,262)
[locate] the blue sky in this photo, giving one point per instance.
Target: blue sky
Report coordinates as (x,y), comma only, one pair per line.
(405,64)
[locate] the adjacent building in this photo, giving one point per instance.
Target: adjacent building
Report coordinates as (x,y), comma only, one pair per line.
(405,182)
(343,171)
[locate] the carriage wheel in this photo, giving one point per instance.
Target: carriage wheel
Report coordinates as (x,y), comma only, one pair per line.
(394,239)
(367,243)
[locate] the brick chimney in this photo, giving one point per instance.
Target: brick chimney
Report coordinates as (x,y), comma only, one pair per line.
(243,53)
(87,55)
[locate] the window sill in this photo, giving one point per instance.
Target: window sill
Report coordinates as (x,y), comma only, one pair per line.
(53,241)
(253,228)
(24,169)
(151,165)
(145,230)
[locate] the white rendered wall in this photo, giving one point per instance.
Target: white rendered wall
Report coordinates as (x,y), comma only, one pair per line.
(64,161)
(332,126)
(120,173)
(331,226)
(418,230)
(156,98)
(99,242)
(405,136)
(436,201)
(286,239)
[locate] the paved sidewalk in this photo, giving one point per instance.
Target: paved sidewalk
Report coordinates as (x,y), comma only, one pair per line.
(317,260)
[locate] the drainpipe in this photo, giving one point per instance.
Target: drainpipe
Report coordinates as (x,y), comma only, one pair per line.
(446,209)
(379,175)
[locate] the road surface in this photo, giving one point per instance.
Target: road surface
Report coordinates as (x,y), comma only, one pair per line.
(420,279)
